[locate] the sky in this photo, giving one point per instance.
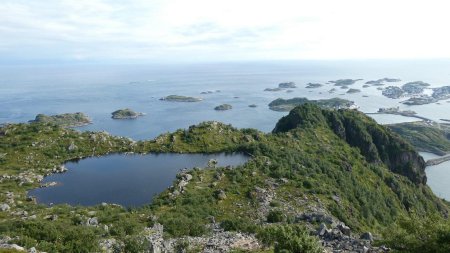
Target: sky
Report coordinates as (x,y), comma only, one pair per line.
(227,30)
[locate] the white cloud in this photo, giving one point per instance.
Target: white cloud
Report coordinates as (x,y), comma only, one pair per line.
(223,30)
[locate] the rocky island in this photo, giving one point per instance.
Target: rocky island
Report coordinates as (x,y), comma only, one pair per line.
(178,98)
(420,100)
(282,86)
(125,114)
(223,107)
(441,93)
(393,92)
(284,105)
(351,91)
(414,88)
(381,81)
(273,89)
(65,120)
(287,85)
(344,82)
(313,85)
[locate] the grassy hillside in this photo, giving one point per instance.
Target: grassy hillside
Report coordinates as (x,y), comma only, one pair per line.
(427,137)
(337,163)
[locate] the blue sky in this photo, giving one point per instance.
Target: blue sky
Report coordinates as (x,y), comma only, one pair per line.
(232,30)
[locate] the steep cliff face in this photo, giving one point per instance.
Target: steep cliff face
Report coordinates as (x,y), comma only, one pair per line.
(377,143)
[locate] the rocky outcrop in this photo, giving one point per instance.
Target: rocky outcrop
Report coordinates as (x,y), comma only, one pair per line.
(377,143)
(218,241)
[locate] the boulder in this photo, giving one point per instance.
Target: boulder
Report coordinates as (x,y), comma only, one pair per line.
(367,236)
(212,163)
(322,229)
(12,247)
(220,195)
(92,221)
(72,147)
(344,229)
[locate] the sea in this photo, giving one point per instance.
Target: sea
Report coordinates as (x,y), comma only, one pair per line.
(99,89)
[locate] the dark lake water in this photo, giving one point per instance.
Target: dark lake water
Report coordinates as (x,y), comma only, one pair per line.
(128,180)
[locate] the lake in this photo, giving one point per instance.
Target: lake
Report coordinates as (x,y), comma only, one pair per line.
(128,180)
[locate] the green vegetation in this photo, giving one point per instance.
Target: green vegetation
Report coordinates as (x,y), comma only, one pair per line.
(285,105)
(292,239)
(125,114)
(312,156)
(64,120)
(416,234)
(427,137)
(177,98)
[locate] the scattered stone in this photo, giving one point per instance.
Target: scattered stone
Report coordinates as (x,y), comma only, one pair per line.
(12,247)
(322,229)
(220,195)
(72,147)
(4,207)
(49,184)
(51,217)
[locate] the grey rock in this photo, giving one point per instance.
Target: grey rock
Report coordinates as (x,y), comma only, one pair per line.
(322,229)
(367,236)
(12,246)
(92,221)
(72,147)
(4,207)
(344,229)
(212,163)
(221,195)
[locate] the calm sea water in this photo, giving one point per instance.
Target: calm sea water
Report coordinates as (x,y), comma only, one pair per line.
(128,180)
(99,90)
(438,176)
